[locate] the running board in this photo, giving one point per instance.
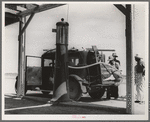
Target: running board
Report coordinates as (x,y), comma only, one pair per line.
(42,90)
(100,85)
(45,90)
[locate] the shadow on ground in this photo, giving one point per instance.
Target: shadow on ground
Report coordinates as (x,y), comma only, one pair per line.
(40,95)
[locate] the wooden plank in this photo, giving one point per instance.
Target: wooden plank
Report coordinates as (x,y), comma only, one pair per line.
(97,58)
(40,9)
(11,11)
(30,6)
(121,8)
(129,59)
(111,50)
(26,25)
(24,56)
(20,8)
(20,85)
(11,6)
(14,6)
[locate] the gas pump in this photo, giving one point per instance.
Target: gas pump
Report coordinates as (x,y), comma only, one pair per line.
(61,86)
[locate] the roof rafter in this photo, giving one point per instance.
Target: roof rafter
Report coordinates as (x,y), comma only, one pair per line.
(39,9)
(121,8)
(14,6)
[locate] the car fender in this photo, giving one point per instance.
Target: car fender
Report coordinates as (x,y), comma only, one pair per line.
(76,77)
(80,80)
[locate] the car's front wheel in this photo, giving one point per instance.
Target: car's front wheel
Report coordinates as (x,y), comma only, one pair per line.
(75,91)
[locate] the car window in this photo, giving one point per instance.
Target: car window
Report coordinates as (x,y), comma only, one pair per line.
(73,61)
(48,63)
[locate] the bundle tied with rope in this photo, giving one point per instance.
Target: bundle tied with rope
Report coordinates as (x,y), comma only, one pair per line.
(109,73)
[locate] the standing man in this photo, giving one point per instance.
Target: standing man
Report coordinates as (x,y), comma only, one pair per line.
(139,79)
(117,61)
(113,90)
(117,65)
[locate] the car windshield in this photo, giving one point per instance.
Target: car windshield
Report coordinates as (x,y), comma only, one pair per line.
(73,61)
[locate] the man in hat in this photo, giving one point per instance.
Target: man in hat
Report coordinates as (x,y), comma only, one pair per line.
(139,71)
(113,90)
(115,56)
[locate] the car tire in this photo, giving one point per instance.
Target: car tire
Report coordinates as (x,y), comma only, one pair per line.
(75,91)
(98,94)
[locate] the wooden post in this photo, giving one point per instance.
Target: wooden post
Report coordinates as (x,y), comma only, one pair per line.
(21,63)
(129,63)
(24,59)
(26,24)
(129,58)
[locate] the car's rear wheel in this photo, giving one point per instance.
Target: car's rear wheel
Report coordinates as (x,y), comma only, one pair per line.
(75,91)
(97,94)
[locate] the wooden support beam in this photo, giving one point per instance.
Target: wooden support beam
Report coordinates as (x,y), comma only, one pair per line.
(31,6)
(24,61)
(35,4)
(97,60)
(11,6)
(26,25)
(14,6)
(40,9)
(19,61)
(20,8)
(129,63)
(129,58)
(121,8)
(21,68)
(111,50)
(11,11)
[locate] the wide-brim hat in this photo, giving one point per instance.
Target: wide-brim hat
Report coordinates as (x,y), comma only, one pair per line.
(114,55)
(137,56)
(110,58)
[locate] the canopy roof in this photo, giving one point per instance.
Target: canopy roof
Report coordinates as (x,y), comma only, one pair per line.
(14,11)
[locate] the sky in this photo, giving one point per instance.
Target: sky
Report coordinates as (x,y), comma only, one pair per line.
(90,24)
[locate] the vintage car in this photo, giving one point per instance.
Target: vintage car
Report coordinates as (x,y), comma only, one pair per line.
(88,73)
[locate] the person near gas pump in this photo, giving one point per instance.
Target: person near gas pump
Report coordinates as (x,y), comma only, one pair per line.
(115,59)
(117,65)
(139,71)
(112,91)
